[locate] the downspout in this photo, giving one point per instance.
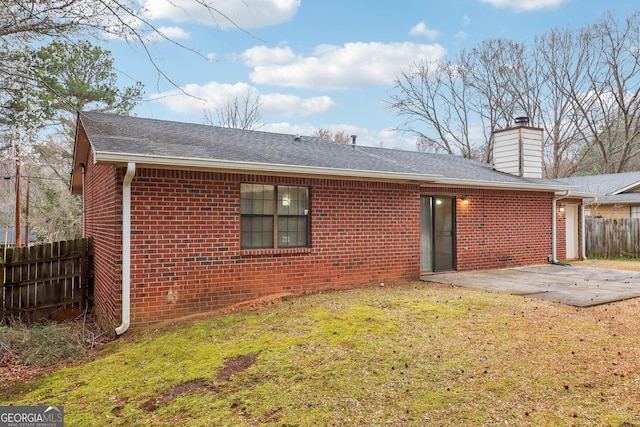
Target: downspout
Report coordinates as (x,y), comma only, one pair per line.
(554,252)
(583,237)
(84,204)
(126,249)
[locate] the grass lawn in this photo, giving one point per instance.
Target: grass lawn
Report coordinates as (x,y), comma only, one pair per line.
(412,355)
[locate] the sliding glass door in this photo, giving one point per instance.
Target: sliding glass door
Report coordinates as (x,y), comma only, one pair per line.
(437,233)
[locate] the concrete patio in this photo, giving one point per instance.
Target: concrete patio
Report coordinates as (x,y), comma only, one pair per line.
(572,285)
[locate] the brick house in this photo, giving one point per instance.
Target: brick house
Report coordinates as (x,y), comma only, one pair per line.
(616,195)
(189,218)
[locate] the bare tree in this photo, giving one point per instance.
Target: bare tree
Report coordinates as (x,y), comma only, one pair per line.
(442,103)
(562,60)
(341,137)
(240,112)
(34,20)
(433,100)
(25,22)
(615,92)
(499,79)
(582,86)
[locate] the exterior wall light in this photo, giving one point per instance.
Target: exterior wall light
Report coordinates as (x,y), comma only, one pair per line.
(561,209)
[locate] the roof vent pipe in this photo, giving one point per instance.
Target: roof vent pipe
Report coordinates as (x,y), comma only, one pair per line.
(353,139)
(522,121)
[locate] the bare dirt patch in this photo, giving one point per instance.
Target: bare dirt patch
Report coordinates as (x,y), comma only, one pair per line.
(235,365)
(153,404)
(231,367)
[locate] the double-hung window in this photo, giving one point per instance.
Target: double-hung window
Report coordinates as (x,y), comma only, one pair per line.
(635,212)
(274,216)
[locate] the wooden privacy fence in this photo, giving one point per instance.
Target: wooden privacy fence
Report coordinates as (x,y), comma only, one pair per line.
(53,278)
(611,238)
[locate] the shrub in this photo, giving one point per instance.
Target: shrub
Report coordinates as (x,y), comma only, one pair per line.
(41,344)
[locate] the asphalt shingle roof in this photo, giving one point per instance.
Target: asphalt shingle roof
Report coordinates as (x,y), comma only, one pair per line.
(605,185)
(8,236)
(116,134)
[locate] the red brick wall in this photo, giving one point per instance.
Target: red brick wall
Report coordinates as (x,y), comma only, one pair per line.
(186,254)
(497,228)
(103,221)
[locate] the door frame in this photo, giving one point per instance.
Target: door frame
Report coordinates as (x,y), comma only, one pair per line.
(572,240)
(428,235)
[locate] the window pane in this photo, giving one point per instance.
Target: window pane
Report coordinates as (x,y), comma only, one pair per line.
(256,232)
(257,199)
(245,198)
(292,232)
(268,197)
(258,216)
(293,200)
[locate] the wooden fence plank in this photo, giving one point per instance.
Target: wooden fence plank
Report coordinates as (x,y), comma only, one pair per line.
(47,277)
(613,237)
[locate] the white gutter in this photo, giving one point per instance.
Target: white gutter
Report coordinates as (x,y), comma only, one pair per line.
(458,182)
(189,163)
(126,248)
(253,167)
(554,252)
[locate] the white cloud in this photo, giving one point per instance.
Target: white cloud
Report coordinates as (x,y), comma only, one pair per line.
(196,99)
(422,30)
(354,65)
(292,105)
(527,5)
(164,33)
(462,35)
(263,56)
(246,14)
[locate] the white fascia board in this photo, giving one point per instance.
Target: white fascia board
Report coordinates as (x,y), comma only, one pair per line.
(584,195)
(504,185)
(627,188)
(254,167)
(265,168)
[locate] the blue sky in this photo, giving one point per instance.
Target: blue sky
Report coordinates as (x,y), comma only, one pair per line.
(323,63)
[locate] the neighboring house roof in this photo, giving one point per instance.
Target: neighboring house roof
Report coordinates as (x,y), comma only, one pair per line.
(118,140)
(609,188)
(8,236)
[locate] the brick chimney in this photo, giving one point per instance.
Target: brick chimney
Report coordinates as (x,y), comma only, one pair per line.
(518,150)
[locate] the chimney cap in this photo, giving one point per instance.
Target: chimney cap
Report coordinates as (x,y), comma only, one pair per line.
(522,121)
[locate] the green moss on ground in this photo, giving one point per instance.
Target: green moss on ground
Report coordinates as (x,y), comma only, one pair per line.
(413,355)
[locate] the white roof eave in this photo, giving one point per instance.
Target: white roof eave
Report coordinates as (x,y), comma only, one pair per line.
(265,168)
(626,188)
(255,167)
(507,185)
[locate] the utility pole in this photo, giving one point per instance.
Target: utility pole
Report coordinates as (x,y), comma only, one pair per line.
(18,232)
